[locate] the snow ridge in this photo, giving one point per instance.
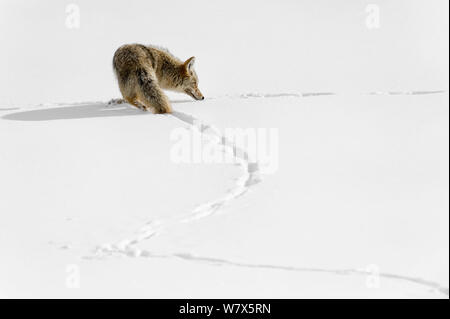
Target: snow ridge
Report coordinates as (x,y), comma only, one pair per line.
(247,95)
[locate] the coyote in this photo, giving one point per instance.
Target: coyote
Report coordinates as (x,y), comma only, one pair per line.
(143,71)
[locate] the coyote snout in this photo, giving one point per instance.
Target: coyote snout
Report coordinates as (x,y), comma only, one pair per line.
(143,71)
(195,93)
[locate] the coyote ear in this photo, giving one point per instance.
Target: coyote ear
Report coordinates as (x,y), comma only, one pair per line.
(190,63)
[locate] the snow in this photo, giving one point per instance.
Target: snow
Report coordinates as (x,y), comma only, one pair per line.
(353,201)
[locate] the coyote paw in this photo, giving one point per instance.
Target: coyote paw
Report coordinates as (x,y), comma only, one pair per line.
(116,101)
(162,111)
(142,107)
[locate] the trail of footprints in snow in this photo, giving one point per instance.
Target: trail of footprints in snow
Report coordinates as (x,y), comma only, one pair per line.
(251,176)
(315,94)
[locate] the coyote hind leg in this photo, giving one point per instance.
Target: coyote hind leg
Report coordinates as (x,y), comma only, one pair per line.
(150,94)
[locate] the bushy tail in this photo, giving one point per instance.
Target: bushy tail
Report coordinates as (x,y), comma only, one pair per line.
(151,93)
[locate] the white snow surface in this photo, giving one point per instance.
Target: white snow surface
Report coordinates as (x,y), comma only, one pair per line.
(93,205)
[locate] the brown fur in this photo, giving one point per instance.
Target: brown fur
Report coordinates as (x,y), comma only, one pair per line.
(143,71)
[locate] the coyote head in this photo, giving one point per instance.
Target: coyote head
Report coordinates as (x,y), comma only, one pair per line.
(190,80)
